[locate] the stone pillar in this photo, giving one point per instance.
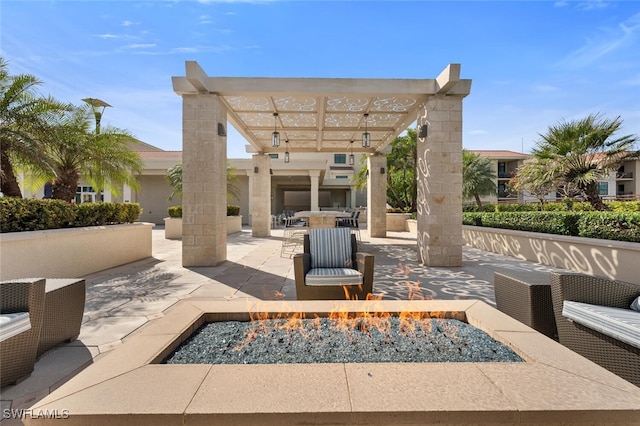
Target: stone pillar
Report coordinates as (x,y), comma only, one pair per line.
(377,196)
(315,179)
(261,197)
(352,193)
(250,203)
(107,196)
(439,171)
(204,181)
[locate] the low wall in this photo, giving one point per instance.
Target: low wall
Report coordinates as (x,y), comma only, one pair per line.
(173,226)
(74,252)
(397,221)
(616,260)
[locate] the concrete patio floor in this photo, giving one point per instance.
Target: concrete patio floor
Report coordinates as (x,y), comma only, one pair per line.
(120,301)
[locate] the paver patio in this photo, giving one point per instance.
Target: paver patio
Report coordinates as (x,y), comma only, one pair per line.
(120,301)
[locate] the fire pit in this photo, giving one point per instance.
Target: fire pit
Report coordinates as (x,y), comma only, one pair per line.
(380,338)
(553,386)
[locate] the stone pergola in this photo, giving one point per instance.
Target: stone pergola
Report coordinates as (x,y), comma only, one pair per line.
(320,115)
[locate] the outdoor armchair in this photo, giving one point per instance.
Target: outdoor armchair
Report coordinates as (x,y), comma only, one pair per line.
(18,352)
(331,266)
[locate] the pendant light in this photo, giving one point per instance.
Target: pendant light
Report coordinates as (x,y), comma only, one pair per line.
(286,153)
(366,136)
(275,136)
(352,158)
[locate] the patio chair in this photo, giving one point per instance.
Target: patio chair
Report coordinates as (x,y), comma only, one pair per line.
(18,347)
(331,266)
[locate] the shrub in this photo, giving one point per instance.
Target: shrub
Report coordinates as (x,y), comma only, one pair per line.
(610,226)
(562,223)
(175,211)
(624,206)
(18,214)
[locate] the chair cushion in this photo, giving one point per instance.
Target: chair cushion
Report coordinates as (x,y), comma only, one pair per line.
(14,324)
(330,247)
(635,305)
(619,323)
(333,276)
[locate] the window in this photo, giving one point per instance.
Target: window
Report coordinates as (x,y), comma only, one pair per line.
(274,156)
(340,158)
(342,177)
(603,188)
(85,194)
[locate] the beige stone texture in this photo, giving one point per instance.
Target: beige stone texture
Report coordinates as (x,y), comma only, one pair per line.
(261,196)
(204,181)
(377,196)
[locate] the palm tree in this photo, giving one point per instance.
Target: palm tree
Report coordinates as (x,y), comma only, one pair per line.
(478,178)
(174,176)
(582,152)
(23,115)
(74,150)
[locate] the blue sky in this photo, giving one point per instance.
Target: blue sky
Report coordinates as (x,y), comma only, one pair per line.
(532,64)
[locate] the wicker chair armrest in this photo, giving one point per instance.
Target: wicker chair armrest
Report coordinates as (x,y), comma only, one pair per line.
(364,263)
(18,296)
(593,290)
(301,264)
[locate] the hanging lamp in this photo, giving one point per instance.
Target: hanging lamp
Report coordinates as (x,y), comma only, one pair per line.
(366,136)
(352,158)
(275,136)
(286,153)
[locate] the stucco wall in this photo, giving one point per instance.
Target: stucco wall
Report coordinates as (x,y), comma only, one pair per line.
(611,259)
(72,253)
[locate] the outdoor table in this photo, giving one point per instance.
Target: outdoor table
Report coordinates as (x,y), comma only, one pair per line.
(321,219)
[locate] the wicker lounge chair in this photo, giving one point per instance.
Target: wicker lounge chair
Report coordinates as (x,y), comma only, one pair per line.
(616,356)
(331,267)
(18,353)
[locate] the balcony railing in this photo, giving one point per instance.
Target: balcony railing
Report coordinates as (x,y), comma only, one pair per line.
(624,175)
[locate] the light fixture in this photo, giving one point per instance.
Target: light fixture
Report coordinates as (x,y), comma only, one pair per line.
(98,106)
(286,152)
(424,131)
(366,136)
(352,159)
(275,136)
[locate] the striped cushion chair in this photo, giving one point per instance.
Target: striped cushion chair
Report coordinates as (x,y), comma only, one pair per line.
(331,267)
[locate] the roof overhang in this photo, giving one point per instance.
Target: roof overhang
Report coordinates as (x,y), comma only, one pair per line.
(320,114)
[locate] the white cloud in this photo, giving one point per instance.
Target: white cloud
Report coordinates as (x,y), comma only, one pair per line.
(610,40)
(478,132)
(106,36)
(140,46)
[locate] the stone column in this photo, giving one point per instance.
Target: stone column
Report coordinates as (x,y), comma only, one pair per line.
(352,193)
(204,181)
(261,198)
(107,196)
(377,196)
(439,171)
(315,179)
(250,203)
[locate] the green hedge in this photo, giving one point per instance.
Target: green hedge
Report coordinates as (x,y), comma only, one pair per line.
(176,211)
(20,214)
(569,205)
(623,226)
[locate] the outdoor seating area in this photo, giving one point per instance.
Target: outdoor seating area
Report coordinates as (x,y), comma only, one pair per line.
(331,267)
(127,303)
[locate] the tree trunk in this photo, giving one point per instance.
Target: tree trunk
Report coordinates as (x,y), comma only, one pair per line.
(477,197)
(65,185)
(593,197)
(8,182)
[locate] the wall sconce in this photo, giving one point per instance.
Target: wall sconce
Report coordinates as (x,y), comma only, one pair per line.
(255,169)
(366,136)
(275,136)
(221,130)
(352,158)
(423,131)
(286,153)
(381,170)
(367,173)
